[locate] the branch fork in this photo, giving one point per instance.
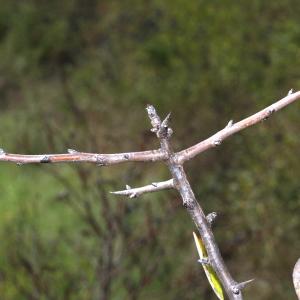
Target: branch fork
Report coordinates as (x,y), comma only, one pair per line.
(179,181)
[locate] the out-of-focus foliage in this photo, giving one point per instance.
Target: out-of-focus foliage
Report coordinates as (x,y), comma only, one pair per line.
(77,74)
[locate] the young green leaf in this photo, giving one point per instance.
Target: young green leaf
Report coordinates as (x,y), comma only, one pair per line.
(210,273)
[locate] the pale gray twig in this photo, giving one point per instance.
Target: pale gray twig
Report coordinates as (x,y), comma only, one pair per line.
(231,128)
(153,187)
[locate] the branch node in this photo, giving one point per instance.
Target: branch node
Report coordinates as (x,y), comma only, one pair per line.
(164,130)
(126,156)
(45,160)
(169,132)
(161,128)
(155,120)
(189,205)
(101,161)
(204,261)
(235,290)
(72,151)
(133,195)
(269,113)
(154,184)
(217,142)
(211,217)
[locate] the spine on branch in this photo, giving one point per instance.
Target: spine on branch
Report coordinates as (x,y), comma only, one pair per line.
(179,180)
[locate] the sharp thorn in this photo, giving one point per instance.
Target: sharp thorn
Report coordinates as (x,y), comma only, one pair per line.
(238,287)
(290,92)
(230,123)
(128,187)
(165,122)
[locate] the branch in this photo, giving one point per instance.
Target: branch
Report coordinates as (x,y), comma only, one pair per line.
(182,184)
(80,157)
(153,187)
(151,155)
(231,128)
(179,179)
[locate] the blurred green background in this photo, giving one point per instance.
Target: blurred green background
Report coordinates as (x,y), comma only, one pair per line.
(78,74)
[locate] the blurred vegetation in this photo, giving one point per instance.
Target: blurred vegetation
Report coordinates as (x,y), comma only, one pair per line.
(77,74)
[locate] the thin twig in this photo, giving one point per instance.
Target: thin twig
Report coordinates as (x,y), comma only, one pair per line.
(80,157)
(153,187)
(231,128)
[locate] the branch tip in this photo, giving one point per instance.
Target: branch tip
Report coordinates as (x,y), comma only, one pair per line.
(155,120)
